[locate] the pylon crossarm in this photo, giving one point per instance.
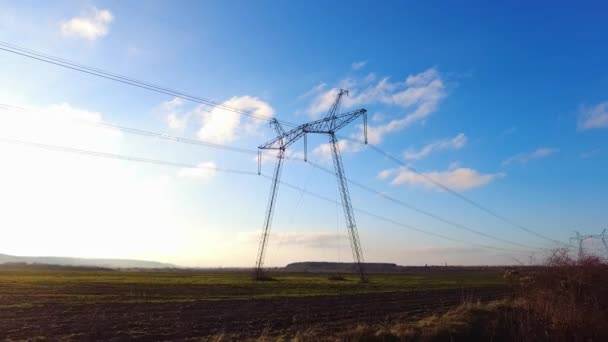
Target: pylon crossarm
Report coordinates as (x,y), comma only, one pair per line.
(581,238)
(338,122)
(318,126)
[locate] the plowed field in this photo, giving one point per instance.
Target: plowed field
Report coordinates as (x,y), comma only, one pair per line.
(111,305)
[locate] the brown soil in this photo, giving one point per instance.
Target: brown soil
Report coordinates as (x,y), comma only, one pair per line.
(234,319)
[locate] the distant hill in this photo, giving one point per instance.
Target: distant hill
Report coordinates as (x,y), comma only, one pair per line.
(375,267)
(65,261)
(346,267)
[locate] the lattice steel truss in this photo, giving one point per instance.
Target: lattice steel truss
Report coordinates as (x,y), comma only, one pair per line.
(581,238)
(328,125)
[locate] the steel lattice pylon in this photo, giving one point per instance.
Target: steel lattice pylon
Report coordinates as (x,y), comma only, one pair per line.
(328,125)
(581,238)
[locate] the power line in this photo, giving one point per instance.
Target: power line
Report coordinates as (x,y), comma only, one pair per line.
(421,211)
(151,134)
(253,152)
(379,217)
(121,157)
(234,171)
(317,166)
(149,86)
(454,192)
(39,56)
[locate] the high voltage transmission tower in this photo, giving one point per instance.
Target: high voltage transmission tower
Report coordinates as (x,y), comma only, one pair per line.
(581,238)
(328,126)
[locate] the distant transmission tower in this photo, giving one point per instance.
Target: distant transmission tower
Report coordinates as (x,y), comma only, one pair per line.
(581,238)
(328,126)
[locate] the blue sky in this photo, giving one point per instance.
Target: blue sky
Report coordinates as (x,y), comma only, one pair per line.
(507,104)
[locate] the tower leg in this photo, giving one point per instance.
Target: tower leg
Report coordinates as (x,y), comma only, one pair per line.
(259,265)
(348,209)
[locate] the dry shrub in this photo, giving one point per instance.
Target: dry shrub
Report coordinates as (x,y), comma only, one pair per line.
(564,300)
(467,322)
(567,300)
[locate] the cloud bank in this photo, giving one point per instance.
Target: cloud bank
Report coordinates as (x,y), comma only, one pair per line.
(218,125)
(593,117)
(523,158)
(455,143)
(358,65)
(457,178)
(91,27)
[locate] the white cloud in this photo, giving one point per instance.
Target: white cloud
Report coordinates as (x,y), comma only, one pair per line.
(304,239)
(172,104)
(385,174)
(422,78)
(419,94)
(454,143)
(203,172)
(313,91)
(358,65)
(593,117)
(590,154)
(175,119)
(378,117)
(458,178)
(91,27)
(426,101)
(526,157)
(371,77)
(270,156)
(324,152)
(176,122)
(322,102)
(221,126)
